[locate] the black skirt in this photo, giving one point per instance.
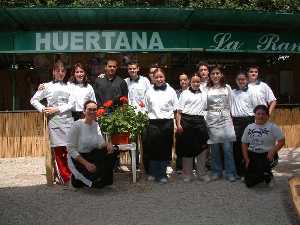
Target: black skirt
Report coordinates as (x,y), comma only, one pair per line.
(240,124)
(158,139)
(193,139)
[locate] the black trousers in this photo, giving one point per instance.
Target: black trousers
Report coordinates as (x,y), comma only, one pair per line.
(240,123)
(259,169)
(104,168)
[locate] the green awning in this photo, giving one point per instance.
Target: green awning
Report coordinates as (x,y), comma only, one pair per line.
(37,19)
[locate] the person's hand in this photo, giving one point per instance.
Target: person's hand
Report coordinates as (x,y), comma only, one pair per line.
(247,161)
(50,110)
(270,155)
(90,167)
(179,129)
(41,87)
(109,148)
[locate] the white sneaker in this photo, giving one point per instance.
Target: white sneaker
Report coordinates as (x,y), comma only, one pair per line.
(124,168)
(205,178)
(151,178)
(163,180)
(169,170)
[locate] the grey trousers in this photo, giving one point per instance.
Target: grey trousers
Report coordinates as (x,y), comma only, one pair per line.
(187,164)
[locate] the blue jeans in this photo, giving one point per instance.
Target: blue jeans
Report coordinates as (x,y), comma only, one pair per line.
(216,163)
(157,169)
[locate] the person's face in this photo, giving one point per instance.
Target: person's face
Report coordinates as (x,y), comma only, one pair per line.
(133,71)
(59,73)
(241,81)
(111,68)
(261,117)
(159,78)
(90,111)
(151,75)
(252,74)
(79,74)
(203,73)
(216,76)
(195,82)
(184,81)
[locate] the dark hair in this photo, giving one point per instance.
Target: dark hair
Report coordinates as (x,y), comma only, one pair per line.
(155,65)
(88,102)
(241,72)
(253,67)
(159,70)
(73,79)
(222,80)
(112,59)
(202,63)
(184,74)
(194,75)
(133,62)
(261,107)
(56,66)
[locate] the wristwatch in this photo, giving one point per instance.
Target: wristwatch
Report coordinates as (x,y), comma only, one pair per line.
(116,148)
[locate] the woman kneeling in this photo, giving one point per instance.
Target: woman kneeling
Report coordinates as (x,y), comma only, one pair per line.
(260,143)
(90,158)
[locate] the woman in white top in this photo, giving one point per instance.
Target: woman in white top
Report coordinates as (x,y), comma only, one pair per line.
(220,126)
(82,90)
(242,106)
(160,103)
(90,158)
(192,136)
(60,101)
(261,142)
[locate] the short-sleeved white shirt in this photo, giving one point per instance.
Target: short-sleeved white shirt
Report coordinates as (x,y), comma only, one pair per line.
(242,102)
(137,91)
(263,93)
(192,103)
(262,138)
(161,104)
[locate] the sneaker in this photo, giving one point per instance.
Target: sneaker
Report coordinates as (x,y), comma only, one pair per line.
(215,177)
(231,178)
(205,178)
(163,180)
(151,178)
(187,179)
(169,170)
(123,168)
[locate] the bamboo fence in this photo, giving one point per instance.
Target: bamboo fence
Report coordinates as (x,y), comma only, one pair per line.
(26,134)
(23,134)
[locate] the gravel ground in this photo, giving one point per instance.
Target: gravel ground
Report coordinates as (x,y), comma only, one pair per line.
(25,199)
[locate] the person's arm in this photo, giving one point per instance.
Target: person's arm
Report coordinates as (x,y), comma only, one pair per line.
(275,149)
(178,124)
(124,88)
(245,154)
(71,102)
(272,106)
(37,97)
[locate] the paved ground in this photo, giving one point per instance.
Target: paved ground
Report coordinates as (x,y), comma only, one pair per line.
(25,199)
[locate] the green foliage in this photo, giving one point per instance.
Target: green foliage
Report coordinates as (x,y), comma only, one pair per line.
(123,119)
(266,5)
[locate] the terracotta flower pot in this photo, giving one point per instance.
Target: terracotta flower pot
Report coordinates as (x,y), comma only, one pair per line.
(117,139)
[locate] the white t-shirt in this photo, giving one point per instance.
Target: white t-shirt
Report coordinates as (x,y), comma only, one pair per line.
(263,93)
(262,138)
(242,102)
(192,103)
(137,91)
(161,104)
(82,94)
(83,138)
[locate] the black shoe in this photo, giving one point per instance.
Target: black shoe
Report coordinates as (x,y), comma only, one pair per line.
(76,183)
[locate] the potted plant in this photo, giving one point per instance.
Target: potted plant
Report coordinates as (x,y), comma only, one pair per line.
(121,119)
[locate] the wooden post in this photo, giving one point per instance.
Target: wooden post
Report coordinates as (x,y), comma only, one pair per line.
(48,154)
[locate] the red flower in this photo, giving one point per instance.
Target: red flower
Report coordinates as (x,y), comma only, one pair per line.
(123,100)
(108,103)
(100,112)
(142,104)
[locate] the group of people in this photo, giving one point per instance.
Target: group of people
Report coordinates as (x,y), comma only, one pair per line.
(206,114)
